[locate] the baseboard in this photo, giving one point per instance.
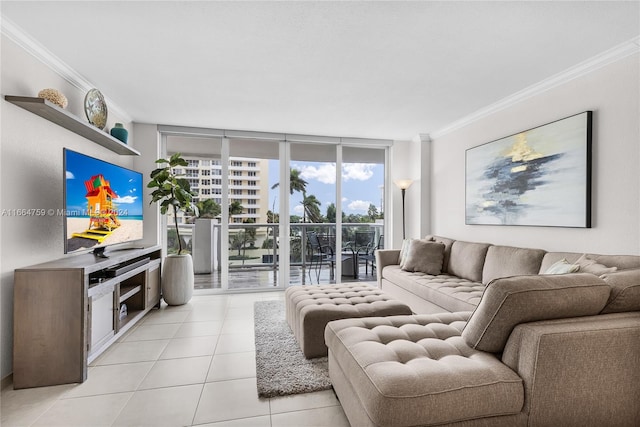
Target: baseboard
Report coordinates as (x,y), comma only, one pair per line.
(6,381)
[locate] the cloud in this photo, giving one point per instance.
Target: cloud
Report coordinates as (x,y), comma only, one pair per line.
(70,175)
(359,205)
(126,199)
(298,209)
(357,171)
(325,173)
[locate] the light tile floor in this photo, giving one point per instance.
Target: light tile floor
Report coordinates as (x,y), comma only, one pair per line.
(181,366)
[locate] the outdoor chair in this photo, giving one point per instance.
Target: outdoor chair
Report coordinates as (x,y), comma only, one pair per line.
(372,255)
(364,247)
(319,254)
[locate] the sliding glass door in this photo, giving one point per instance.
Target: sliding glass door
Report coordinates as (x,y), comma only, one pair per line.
(363,195)
(276,211)
(253,224)
(312,210)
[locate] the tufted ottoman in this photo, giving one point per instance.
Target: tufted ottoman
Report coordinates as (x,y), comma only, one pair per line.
(418,371)
(310,308)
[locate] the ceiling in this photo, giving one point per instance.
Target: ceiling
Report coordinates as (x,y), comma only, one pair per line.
(360,69)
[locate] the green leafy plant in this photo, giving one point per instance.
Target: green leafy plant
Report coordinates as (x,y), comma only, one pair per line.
(172,191)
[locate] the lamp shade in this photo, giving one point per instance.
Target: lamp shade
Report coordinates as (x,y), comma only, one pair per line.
(403,184)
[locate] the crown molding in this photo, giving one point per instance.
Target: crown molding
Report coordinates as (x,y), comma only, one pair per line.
(33,47)
(422,137)
(607,57)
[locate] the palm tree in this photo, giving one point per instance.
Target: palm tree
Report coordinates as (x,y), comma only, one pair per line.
(208,208)
(311,208)
(235,208)
(295,182)
(272,217)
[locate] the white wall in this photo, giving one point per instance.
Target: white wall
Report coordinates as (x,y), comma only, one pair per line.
(32,174)
(405,164)
(612,93)
(148,144)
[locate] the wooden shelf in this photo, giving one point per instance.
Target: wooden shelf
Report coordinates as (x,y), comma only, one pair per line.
(57,115)
(127,292)
(127,322)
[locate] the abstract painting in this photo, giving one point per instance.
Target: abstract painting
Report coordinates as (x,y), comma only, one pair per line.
(539,177)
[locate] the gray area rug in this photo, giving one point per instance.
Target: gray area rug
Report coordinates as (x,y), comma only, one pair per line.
(281,367)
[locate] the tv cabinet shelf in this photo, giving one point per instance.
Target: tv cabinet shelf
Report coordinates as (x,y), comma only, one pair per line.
(67,312)
(61,117)
(132,317)
(127,292)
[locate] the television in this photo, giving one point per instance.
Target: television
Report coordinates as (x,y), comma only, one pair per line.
(102,204)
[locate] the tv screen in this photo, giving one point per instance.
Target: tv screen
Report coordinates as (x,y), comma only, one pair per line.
(103,203)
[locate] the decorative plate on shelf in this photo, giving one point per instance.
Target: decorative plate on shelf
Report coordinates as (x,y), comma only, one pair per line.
(95,108)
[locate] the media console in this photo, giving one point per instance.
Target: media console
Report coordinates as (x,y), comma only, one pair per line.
(69,311)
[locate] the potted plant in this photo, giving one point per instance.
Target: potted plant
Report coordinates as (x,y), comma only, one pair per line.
(174,192)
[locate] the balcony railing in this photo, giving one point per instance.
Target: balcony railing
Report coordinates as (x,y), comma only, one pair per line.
(251,246)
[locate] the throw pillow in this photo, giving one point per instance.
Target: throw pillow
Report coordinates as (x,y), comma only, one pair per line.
(510,301)
(625,291)
(562,267)
(588,265)
(403,252)
(424,256)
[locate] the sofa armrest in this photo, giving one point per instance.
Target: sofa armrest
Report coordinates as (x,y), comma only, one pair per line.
(579,371)
(385,257)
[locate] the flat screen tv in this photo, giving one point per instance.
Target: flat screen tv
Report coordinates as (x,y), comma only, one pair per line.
(103,204)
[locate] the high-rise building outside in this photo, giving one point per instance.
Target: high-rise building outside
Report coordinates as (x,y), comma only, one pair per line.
(248,185)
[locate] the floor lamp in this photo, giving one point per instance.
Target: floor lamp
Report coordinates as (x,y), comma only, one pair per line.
(403,184)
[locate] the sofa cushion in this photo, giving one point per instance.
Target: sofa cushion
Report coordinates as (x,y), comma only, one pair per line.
(447,248)
(404,251)
(589,265)
(417,370)
(623,262)
(625,291)
(424,256)
(510,301)
(505,261)
(467,259)
(562,267)
(449,292)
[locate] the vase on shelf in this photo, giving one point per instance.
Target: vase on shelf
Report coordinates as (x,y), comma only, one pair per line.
(119,132)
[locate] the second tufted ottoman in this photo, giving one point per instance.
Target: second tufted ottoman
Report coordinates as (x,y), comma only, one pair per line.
(310,308)
(418,371)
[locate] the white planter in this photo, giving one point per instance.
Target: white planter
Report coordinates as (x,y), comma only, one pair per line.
(205,246)
(177,279)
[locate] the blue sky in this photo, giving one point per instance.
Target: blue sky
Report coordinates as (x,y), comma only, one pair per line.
(126,183)
(361,185)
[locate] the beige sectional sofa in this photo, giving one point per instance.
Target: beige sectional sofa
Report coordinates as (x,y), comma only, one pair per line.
(499,345)
(466,270)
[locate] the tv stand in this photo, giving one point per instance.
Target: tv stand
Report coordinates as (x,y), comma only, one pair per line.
(69,311)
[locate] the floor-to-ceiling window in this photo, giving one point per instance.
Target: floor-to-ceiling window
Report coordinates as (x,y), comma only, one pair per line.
(199,230)
(363,195)
(253,181)
(267,200)
(312,210)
